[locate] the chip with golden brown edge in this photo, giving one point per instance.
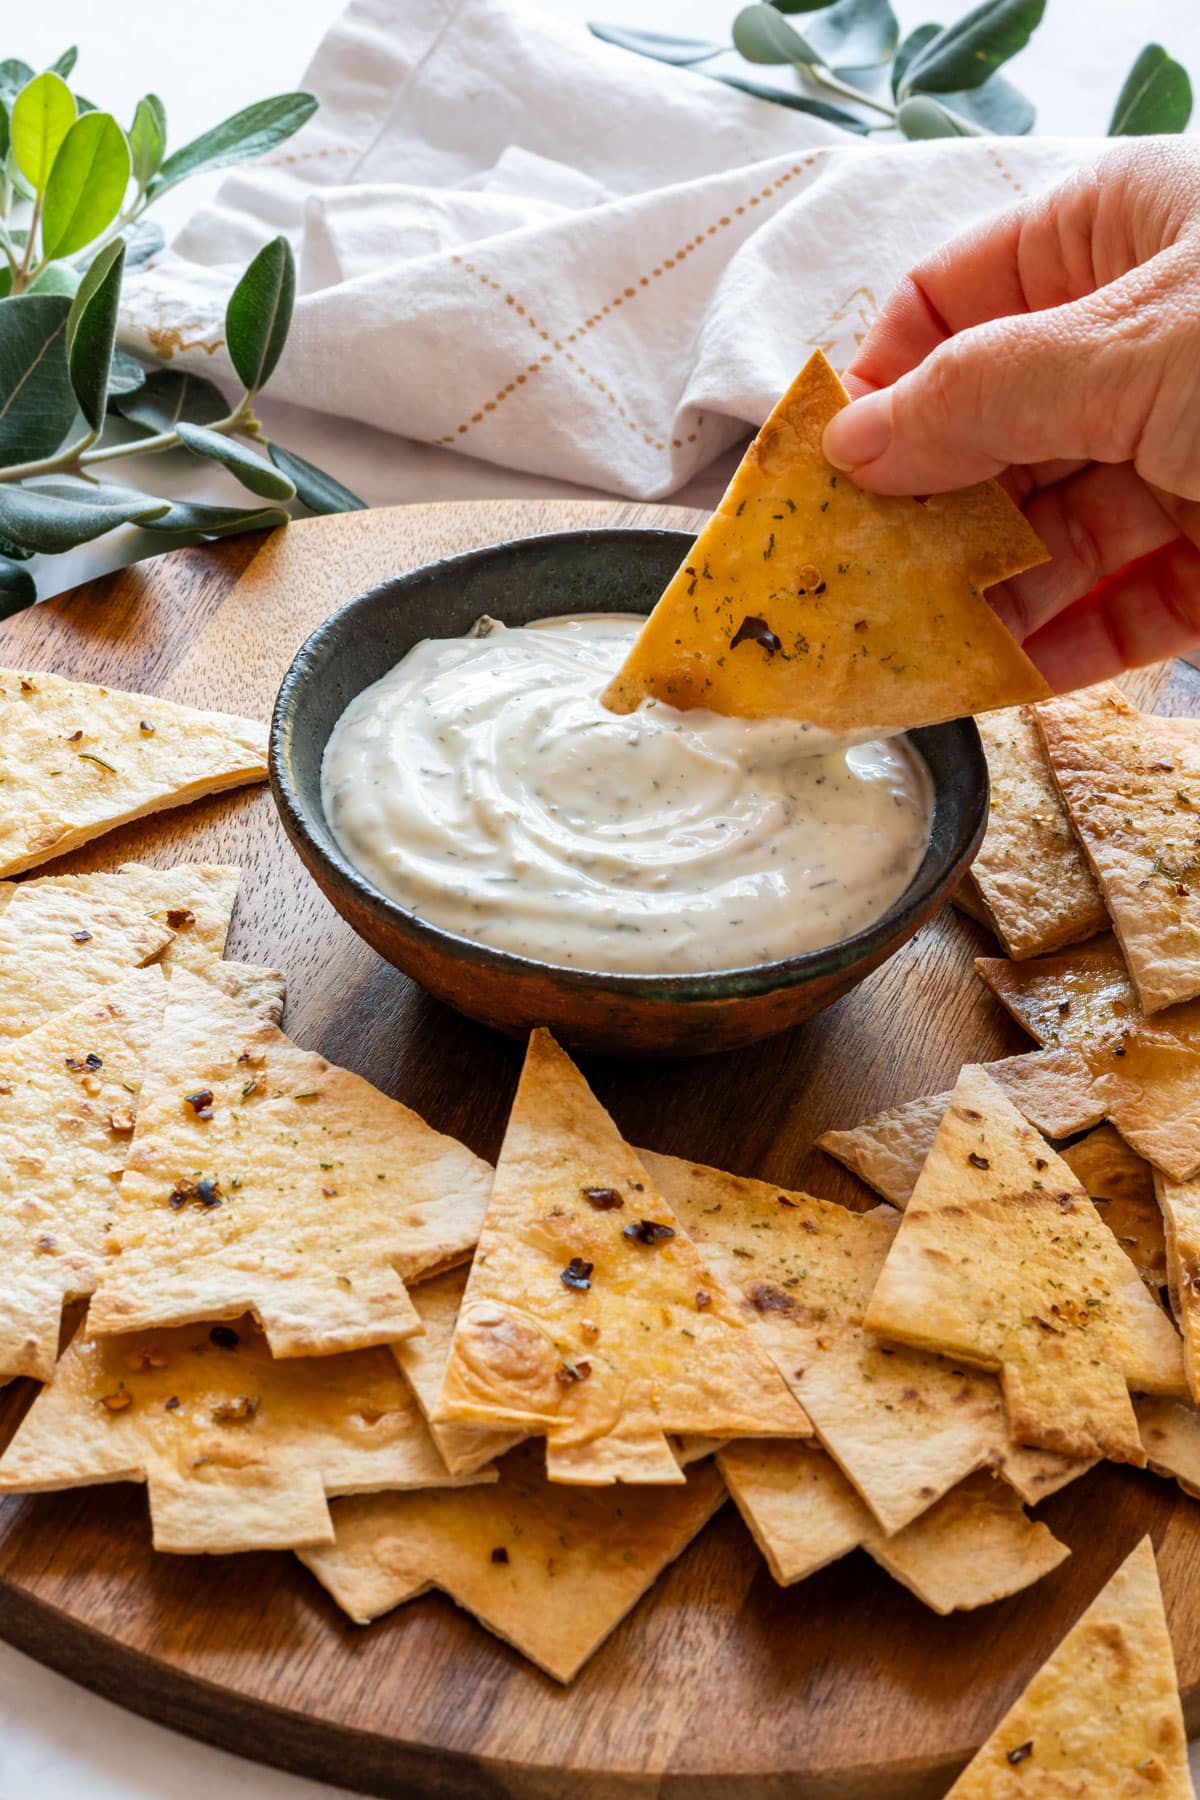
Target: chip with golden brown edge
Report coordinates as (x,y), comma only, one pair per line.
(904,1427)
(1102,1716)
(263,1179)
(1170,1432)
(1132,786)
(191,903)
(77,760)
(968,899)
(58,948)
(552,1570)
(1002,1259)
(590,1318)
(423,1362)
(238,1451)
(805,597)
(1122,1186)
(260,990)
(1031,874)
(1053,1089)
(1148,1082)
(1180,1203)
(67,1096)
(973,1546)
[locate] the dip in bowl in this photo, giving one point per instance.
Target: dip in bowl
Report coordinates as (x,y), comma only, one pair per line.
(487,828)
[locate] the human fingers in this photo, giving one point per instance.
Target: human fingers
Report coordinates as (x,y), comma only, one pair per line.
(1148,611)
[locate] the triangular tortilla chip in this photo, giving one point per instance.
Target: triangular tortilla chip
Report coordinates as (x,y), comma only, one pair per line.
(805,597)
(552,1570)
(76,760)
(423,1362)
(1032,876)
(191,902)
(296,1191)
(590,1317)
(1170,1432)
(260,990)
(67,1094)
(238,1451)
(1180,1203)
(1001,1258)
(968,899)
(1052,1089)
(904,1427)
(1148,1082)
(974,1546)
(1133,791)
(1102,1716)
(1122,1187)
(57,948)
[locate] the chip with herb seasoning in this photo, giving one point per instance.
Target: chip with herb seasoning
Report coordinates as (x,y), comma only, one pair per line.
(260,990)
(1121,1184)
(1131,784)
(1170,1433)
(806,597)
(75,761)
(1053,1089)
(903,1426)
(309,1197)
(973,1546)
(67,1094)
(574,1563)
(1180,1203)
(190,903)
(1148,1082)
(1102,1715)
(656,1362)
(423,1361)
(59,947)
(1002,1259)
(238,1451)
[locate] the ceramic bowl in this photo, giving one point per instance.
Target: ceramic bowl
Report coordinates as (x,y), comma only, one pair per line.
(603,571)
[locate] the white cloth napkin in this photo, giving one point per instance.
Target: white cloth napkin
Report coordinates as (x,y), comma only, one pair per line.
(520,242)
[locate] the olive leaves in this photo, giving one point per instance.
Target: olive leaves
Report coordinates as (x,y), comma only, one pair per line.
(943,81)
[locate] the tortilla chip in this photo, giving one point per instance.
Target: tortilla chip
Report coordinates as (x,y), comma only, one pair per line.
(77,760)
(904,1427)
(1102,1716)
(1053,1089)
(1180,1203)
(590,1317)
(805,597)
(969,900)
(423,1362)
(1170,1432)
(58,948)
(67,1093)
(192,903)
(1148,1082)
(1032,876)
(1122,1187)
(307,1198)
(1132,788)
(261,991)
(1002,1259)
(238,1451)
(973,1547)
(551,1570)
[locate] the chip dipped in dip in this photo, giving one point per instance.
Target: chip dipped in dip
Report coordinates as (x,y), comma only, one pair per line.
(483,786)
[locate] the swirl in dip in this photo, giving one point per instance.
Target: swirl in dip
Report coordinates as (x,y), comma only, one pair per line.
(482,785)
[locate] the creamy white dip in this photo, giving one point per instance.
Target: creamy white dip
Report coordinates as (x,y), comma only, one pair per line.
(483,786)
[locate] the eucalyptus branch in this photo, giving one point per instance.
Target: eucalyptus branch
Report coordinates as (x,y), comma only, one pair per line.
(79,456)
(65,462)
(21,275)
(826,78)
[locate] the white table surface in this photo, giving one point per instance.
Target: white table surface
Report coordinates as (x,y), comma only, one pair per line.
(58,1742)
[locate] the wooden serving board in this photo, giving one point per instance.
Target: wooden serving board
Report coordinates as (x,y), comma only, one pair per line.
(720,1684)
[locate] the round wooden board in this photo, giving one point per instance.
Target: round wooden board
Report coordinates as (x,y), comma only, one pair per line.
(719,1684)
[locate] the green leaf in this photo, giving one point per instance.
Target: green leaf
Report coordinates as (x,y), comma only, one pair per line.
(125,376)
(83,105)
(259,313)
(997,106)
(36,402)
(818,109)
(319,491)
(252,471)
(763,36)
(169,395)
(142,241)
(148,138)
(921,116)
(62,65)
(6,281)
(1156,96)
(189,518)
(915,41)
(42,115)
(14,74)
(678,50)
(249,133)
(55,278)
(5,128)
(17,588)
(13,551)
(795,6)
(856,34)
(92,331)
(12,172)
(87,184)
(55,515)
(965,54)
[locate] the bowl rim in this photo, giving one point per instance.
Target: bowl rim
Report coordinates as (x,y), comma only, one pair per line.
(746,981)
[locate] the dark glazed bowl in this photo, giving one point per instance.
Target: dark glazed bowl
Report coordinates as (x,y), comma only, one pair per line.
(677,1015)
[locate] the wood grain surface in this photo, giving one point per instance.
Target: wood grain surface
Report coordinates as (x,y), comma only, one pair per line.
(720,1683)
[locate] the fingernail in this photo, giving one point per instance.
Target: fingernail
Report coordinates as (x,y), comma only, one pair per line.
(860,432)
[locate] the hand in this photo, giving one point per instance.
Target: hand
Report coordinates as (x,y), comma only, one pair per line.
(1058,347)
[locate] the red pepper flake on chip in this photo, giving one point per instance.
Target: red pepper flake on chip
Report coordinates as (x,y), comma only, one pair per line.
(604,1199)
(201,1102)
(648,1231)
(578,1274)
(753,630)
